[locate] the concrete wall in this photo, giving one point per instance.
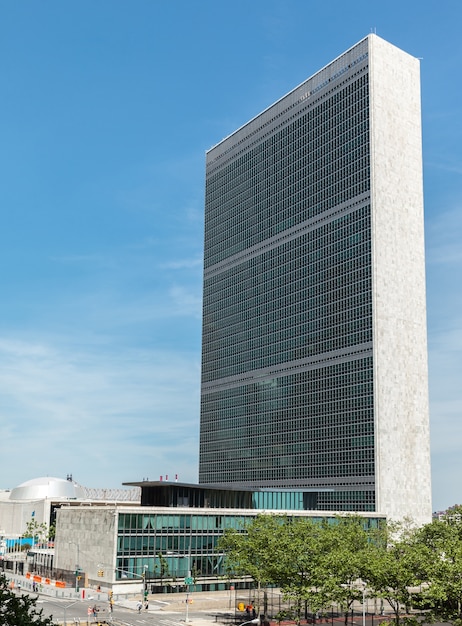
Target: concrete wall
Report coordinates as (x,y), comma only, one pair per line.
(87,537)
(15,515)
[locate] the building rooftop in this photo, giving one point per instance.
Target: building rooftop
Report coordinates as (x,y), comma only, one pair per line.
(47,487)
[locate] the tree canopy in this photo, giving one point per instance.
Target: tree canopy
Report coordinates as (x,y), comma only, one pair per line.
(39,532)
(442,540)
(313,562)
(320,563)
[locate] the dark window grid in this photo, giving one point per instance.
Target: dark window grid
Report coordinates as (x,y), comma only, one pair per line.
(272,291)
(279,355)
(322,377)
(323,261)
(337,239)
(247,266)
(229,244)
(342,148)
(233,205)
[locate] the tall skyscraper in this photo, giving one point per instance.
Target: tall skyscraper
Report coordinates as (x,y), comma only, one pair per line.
(314,354)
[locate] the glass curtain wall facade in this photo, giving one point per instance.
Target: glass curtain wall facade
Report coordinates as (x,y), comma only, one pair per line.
(290,374)
(287,297)
(164,547)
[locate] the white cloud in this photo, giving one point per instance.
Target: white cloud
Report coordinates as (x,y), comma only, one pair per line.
(106,417)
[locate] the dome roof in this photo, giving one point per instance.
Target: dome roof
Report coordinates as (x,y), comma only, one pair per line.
(47,487)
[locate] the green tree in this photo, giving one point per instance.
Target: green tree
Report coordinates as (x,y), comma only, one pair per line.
(299,567)
(443,541)
(397,564)
(51,532)
(317,563)
(38,532)
(19,610)
(253,550)
(348,551)
(312,562)
(162,567)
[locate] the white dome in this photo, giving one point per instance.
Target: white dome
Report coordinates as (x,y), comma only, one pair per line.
(47,487)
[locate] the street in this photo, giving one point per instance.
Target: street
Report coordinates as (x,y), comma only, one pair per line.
(75,612)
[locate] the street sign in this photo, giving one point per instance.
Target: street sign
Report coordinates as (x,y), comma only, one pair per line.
(188,580)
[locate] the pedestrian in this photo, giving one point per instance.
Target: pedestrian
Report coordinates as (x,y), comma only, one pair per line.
(139,606)
(95,611)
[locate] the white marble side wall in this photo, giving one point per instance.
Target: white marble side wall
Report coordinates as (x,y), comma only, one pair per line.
(399,301)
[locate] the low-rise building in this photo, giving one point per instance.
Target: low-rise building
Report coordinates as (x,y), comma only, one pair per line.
(169,543)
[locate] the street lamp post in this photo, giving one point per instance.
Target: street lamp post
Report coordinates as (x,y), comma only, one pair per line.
(77,566)
(145,584)
(187,606)
(188,581)
(364,605)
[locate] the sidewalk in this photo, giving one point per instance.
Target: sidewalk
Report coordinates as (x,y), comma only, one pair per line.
(211,604)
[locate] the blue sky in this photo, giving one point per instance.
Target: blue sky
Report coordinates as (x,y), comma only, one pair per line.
(107,109)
